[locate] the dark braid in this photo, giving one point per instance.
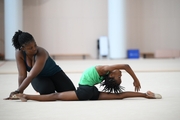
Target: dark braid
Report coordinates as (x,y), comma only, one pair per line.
(110,85)
(20,38)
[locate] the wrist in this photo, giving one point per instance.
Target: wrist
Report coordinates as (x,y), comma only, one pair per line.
(17,91)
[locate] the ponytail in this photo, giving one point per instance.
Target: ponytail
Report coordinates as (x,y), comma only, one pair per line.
(15,41)
(110,85)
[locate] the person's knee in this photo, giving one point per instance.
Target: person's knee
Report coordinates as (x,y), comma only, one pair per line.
(43,85)
(43,90)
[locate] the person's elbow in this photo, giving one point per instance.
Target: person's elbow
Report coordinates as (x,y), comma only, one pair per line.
(126,66)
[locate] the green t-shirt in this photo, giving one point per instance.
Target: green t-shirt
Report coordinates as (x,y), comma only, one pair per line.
(90,77)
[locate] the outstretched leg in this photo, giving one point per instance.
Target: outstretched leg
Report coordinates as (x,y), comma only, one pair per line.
(65,96)
(71,96)
(111,96)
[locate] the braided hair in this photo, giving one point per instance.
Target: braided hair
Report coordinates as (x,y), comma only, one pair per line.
(110,85)
(21,38)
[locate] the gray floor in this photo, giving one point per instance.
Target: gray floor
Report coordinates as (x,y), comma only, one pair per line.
(158,75)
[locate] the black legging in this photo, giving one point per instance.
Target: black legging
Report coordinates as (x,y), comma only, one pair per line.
(57,83)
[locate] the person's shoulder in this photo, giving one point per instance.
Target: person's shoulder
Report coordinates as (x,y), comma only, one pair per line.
(102,69)
(19,52)
(41,48)
(42,52)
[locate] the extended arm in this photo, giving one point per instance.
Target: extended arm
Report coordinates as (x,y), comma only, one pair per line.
(125,67)
(104,69)
(22,73)
(110,68)
(24,79)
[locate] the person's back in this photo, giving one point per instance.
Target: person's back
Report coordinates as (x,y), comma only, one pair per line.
(90,77)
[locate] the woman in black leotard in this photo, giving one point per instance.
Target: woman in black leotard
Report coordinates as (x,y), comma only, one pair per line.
(44,74)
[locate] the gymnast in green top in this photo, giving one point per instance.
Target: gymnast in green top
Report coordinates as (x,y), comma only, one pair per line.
(108,76)
(90,77)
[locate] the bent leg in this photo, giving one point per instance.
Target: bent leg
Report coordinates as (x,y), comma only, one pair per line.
(65,96)
(62,82)
(43,85)
(111,96)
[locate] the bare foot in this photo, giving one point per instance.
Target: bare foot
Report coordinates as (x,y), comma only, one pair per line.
(22,97)
(152,95)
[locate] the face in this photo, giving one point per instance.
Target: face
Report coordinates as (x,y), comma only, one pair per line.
(30,48)
(116,74)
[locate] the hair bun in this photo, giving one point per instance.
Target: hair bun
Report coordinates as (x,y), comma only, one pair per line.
(15,41)
(19,32)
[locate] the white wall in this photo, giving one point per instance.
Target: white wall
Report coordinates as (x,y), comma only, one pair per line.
(161,24)
(73,26)
(66,26)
